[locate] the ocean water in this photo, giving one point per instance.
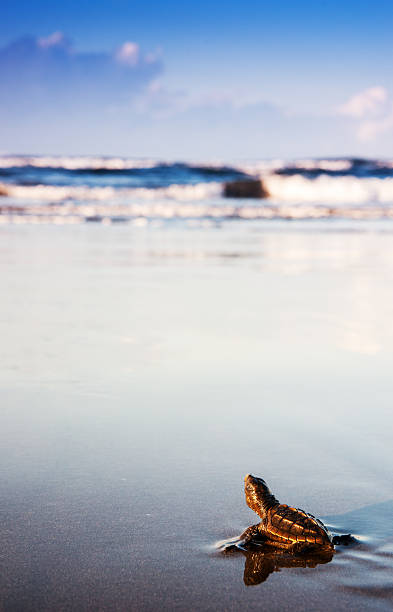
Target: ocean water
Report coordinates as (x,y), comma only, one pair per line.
(153,356)
(107,190)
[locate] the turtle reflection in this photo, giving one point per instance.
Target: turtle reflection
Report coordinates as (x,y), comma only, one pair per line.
(261,563)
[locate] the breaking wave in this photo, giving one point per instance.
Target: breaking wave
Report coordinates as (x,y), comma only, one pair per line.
(327,189)
(295,189)
(56,193)
(143,212)
(314,167)
(103,188)
(75,163)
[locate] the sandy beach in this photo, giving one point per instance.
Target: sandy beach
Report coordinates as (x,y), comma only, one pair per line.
(145,370)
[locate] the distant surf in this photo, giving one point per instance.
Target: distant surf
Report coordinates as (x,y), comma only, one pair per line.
(73,189)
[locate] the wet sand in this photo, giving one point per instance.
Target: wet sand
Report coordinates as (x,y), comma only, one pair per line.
(145,370)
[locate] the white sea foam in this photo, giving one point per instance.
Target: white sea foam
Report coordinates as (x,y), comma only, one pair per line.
(331,165)
(76,163)
(263,168)
(85,162)
(88,162)
(259,168)
(200,191)
(140,212)
(296,189)
(329,190)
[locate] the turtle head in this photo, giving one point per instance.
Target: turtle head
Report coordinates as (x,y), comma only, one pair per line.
(258,496)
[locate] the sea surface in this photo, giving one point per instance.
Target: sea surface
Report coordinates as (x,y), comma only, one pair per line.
(109,190)
(158,342)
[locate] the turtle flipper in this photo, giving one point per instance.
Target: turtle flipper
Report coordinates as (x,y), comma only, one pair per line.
(344,540)
(251,536)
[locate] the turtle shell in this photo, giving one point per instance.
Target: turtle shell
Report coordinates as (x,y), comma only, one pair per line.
(286,525)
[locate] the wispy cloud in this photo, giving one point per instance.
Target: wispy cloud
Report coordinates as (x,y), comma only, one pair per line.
(372,113)
(128,54)
(49,73)
(371,101)
(371,129)
(161,101)
(56,39)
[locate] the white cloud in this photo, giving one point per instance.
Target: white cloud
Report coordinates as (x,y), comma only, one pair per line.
(49,75)
(371,101)
(56,39)
(372,113)
(162,101)
(128,53)
(369,130)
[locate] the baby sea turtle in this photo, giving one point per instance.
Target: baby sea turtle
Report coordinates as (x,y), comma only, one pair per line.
(282,526)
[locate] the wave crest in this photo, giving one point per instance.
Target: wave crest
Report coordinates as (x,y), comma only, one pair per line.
(50,193)
(329,190)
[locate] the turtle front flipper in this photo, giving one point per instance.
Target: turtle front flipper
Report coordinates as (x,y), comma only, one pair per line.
(258,495)
(252,536)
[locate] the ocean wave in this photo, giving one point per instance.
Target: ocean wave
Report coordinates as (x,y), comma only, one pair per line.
(82,180)
(297,189)
(110,164)
(265,167)
(329,190)
(358,167)
(51,193)
(76,163)
(144,212)
(253,167)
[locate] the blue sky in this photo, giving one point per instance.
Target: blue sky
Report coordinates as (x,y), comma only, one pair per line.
(197,80)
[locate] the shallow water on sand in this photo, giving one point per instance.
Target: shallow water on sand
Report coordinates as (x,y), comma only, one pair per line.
(145,371)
